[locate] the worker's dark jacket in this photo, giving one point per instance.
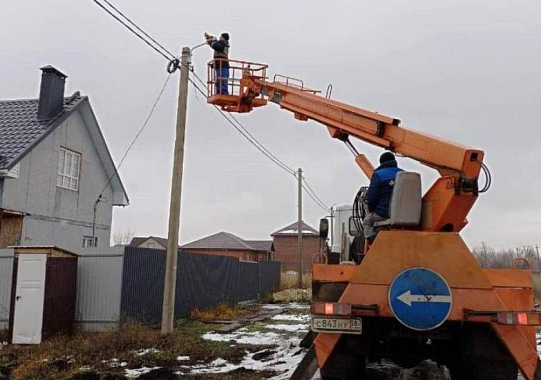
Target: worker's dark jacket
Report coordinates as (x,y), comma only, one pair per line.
(221,51)
(379,192)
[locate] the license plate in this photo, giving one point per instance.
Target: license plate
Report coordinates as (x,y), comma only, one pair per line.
(338,325)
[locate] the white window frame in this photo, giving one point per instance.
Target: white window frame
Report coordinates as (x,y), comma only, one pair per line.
(88,242)
(69,169)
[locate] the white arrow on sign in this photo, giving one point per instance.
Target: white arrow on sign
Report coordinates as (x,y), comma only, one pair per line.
(409,298)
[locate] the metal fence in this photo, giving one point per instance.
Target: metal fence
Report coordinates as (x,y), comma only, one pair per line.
(269,276)
(129,281)
(203,281)
(99,288)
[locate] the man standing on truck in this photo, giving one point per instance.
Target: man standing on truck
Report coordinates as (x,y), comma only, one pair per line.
(378,196)
(221,61)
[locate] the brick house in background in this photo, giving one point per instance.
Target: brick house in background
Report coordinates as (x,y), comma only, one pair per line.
(227,244)
(285,242)
(149,242)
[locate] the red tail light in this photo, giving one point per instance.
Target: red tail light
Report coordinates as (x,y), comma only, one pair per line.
(523,318)
(330,308)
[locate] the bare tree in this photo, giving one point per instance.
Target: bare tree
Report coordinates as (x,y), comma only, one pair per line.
(123,237)
(489,257)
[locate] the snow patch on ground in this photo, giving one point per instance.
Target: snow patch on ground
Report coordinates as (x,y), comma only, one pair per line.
(283,359)
(183,358)
(288,306)
(285,327)
(131,373)
(291,318)
(244,336)
(146,351)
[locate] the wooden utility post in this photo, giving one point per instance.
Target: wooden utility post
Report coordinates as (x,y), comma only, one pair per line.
(168,311)
(538,260)
(299,226)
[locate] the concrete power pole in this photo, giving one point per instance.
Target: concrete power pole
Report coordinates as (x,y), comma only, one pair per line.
(168,311)
(299,226)
(538,260)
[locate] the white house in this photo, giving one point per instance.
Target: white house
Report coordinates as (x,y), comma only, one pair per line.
(54,165)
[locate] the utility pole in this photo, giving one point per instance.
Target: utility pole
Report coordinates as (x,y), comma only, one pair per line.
(168,311)
(538,260)
(299,226)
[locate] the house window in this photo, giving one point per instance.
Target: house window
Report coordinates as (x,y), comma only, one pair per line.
(69,164)
(88,242)
(150,245)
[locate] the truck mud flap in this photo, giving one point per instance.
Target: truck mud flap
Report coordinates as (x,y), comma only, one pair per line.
(307,367)
(308,339)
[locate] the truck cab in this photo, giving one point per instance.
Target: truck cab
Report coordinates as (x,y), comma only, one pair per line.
(345,232)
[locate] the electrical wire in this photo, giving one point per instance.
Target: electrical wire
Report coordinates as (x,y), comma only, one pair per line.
(137,135)
(252,141)
(315,195)
(164,52)
(360,208)
(488,177)
(139,29)
(248,136)
(239,124)
(173,65)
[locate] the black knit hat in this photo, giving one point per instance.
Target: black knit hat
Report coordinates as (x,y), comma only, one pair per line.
(386,157)
(225,36)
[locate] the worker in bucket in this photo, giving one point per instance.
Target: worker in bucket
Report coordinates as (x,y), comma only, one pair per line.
(378,196)
(221,61)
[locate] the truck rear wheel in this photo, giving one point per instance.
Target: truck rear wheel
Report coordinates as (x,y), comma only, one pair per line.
(485,369)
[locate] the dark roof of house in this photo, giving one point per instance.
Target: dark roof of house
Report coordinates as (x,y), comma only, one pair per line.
(260,245)
(226,240)
(138,240)
(20,130)
(293,228)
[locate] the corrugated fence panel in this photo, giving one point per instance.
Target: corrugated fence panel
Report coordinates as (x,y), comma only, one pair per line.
(247,284)
(142,284)
(99,289)
(6,273)
(203,281)
(269,276)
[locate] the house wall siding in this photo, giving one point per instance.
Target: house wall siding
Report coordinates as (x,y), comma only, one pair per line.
(286,251)
(57,216)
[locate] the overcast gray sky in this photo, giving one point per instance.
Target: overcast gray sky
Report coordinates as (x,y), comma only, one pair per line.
(468,71)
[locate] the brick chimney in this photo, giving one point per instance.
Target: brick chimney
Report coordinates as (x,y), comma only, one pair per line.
(51,93)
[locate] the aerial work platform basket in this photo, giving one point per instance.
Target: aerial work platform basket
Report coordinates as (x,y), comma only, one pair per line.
(228,81)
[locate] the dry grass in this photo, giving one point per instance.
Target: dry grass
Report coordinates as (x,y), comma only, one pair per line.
(240,374)
(223,312)
(62,356)
(290,280)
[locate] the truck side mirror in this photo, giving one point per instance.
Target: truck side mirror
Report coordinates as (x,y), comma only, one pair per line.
(355,226)
(323,228)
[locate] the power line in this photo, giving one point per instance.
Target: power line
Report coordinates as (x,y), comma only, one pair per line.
(173,65)
(239,124)
(163,52)
(315,195)
(137,135)
(139,29)
(244,132)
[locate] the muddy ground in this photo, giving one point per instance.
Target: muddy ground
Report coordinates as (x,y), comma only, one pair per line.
(266,349)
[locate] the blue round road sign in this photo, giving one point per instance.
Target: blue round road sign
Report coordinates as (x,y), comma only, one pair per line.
(420,299)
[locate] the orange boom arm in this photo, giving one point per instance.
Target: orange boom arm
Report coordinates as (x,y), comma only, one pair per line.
(445,205)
